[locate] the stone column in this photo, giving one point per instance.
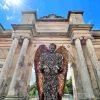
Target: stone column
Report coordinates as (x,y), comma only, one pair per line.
(76,82)
(18,83)
(5,76)
(94,59)
(73,83)
(84,71)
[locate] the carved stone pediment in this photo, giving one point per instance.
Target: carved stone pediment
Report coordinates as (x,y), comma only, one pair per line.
(52,16)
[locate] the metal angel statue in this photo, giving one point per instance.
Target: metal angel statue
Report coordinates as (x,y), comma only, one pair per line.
(52,71)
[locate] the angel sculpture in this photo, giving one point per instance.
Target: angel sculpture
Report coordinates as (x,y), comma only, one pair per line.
(51,69)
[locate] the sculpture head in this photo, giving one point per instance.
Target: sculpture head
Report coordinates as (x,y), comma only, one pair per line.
(52,47)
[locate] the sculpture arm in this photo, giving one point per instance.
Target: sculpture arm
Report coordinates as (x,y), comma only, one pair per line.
(60,63)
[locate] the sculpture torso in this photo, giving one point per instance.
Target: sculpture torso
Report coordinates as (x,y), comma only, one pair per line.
(51,63)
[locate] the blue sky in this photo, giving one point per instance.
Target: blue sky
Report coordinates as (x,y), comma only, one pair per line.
(10,10)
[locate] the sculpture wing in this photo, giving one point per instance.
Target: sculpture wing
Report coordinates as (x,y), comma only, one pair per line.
(62,76)
(39,76)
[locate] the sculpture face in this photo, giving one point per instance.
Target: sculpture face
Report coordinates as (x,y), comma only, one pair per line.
(52,47)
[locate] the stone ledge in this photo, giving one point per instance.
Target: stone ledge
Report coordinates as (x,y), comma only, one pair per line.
(14,98)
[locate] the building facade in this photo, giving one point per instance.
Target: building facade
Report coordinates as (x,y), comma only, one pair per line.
(18,48)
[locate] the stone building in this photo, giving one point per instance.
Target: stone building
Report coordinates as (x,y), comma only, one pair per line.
(18,47)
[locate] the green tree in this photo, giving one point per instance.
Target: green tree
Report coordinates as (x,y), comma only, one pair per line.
(32,91)
(68,87)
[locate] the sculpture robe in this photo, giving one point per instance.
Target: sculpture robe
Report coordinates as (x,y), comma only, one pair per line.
(51,66)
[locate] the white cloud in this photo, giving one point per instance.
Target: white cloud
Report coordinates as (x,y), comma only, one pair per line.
(5,7)
(11,3)
(7,4)
(9,17)
(0,5)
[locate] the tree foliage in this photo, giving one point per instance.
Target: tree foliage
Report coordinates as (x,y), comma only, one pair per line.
(68,87)
(32,91)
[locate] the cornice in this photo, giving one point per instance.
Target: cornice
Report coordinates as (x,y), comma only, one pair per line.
(23,26)
(80,26)
(73,27)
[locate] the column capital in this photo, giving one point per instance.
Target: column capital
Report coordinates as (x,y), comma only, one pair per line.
(86,38)
(82,36)
(21,35)
(83,39)
(22,31)
(80,31)
(74,39)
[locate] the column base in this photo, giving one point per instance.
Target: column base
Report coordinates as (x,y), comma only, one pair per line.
(90,99)
(16,98)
